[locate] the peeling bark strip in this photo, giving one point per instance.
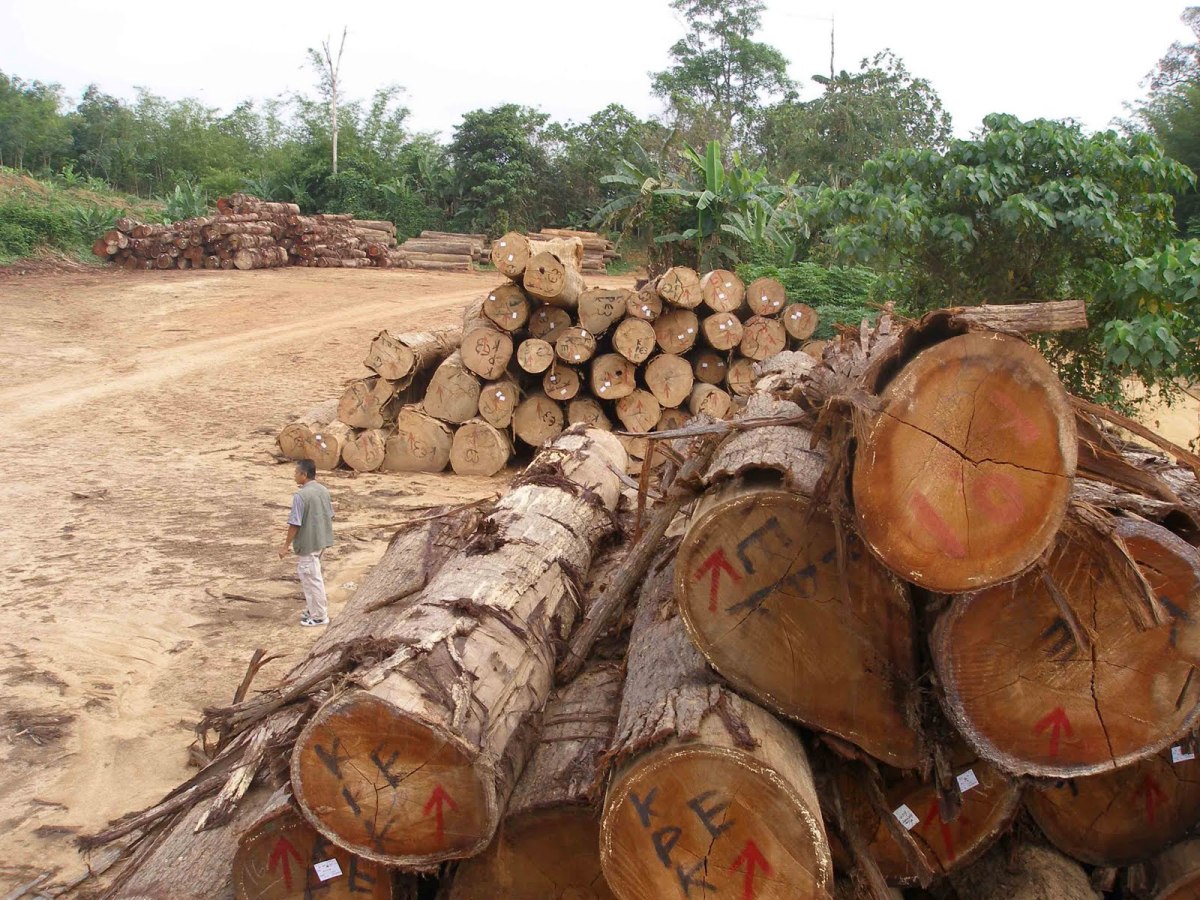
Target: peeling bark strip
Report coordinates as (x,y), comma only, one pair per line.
(415,765)
(990,800)
(964,479)
(549,842)
(282,857)
(765,598)
(1024,872)
(716,797)
(1122,817)
(1021,690)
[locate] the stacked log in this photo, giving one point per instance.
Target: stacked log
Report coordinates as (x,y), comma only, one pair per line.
(441,250)
(249,233)
(812,707)
(598,251)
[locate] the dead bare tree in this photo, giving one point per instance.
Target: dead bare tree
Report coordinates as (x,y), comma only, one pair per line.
(327,67)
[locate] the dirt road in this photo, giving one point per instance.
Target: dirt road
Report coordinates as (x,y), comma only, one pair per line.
(141,509)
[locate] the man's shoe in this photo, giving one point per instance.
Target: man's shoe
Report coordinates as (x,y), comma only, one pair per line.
(309,622)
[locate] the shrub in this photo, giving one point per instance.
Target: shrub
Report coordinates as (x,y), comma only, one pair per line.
(24,228)
(839,294)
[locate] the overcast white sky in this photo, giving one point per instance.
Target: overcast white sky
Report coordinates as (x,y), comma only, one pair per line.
(1035,59)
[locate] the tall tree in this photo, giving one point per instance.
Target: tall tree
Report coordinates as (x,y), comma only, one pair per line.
(720,76)
(327,67)
(859,116)
(499,162)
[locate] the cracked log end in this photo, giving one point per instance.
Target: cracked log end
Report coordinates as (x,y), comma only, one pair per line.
(390,788)
(700,815)
(277,859)
(964,479)
(1031,700)
(990,800)
(1123,817)
(760,592)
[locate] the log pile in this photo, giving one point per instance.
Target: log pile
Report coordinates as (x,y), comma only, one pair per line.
(249,233)
(441,250)
(542,351)
(732,681)
(598,251)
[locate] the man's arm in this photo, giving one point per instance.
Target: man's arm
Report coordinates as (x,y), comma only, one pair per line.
(287,541)
(295,520)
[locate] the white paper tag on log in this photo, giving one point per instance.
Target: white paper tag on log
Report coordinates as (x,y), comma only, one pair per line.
(906,817)
(1180,754)
(328,869)
(967,780)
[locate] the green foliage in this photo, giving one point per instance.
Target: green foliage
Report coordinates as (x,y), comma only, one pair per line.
(720,76)
(840,295)
(187,201)
(1027,211)
(94,220)
(860,116)
(24,228)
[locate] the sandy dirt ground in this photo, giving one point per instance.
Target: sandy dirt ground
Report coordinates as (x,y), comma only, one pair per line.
(142,506)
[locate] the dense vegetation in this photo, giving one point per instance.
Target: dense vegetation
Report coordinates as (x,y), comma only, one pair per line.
(853,197)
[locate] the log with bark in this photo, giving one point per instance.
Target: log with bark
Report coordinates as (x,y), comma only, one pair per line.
(680,287)
(713,795)
(538,419)
(400,357)
(365,450)
(765,297)
(549,842)
(368,402)
(479,449)
(1066,671)
(486,348)
(295,438)
(550,278)
(453,394)
(722,291)
(1023,872)
(1177,872)
(415,764)
(795,614)
(421,443)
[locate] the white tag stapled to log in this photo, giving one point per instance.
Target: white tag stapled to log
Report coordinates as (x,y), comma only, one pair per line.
(327,869)
(906,817)
(967,780)
(1181,754)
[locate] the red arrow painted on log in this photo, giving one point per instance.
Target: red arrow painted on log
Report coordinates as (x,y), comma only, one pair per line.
(935,811)
(1057,722)
(1154,795)
(716,563)
(436,801)
(931,520)
(750,858)
(279,856)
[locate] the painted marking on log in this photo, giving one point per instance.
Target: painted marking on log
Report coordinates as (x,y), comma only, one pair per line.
(1056,722)
(332,758)
(707,816)
(279,856)
(664,839)
(944,829)
(756,536)
(1026,429)
(437,800)
(1178,614)
(999,495)
(716,563)
(356,875)
(385,769)
(931,520)
(1063,648)
(751,858)
(1154,794)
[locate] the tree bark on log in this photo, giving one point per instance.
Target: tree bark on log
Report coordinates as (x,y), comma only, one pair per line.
(713,793)
(1052,674)
(552,280)
(479,449)
(1177,872)
(680,287)
(421,443)
(415,766)
(964,478)
(722,291)
(634,339)
(278,859)
(400,357)
(824,640)
(765,297)
(453,394)
(537,420)
(364,451)
(1026,872)
(1122,817)
(549,843)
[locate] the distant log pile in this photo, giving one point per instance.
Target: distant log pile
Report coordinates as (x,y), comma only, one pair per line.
(542,351)
(731,679)
(441,250)
(598,251)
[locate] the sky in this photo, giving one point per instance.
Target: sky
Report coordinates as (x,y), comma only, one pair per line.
(1082,60)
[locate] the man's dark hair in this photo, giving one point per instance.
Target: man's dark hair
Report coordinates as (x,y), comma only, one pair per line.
(308,467)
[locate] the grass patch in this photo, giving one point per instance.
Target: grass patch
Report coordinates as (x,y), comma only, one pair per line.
(839,294)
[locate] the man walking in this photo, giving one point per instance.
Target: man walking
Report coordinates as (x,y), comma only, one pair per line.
(310,531)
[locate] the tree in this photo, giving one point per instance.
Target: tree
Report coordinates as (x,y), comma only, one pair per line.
(499,164)
(859,116)
(327,68)
(31,126)
(720,76)
(1036,211)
